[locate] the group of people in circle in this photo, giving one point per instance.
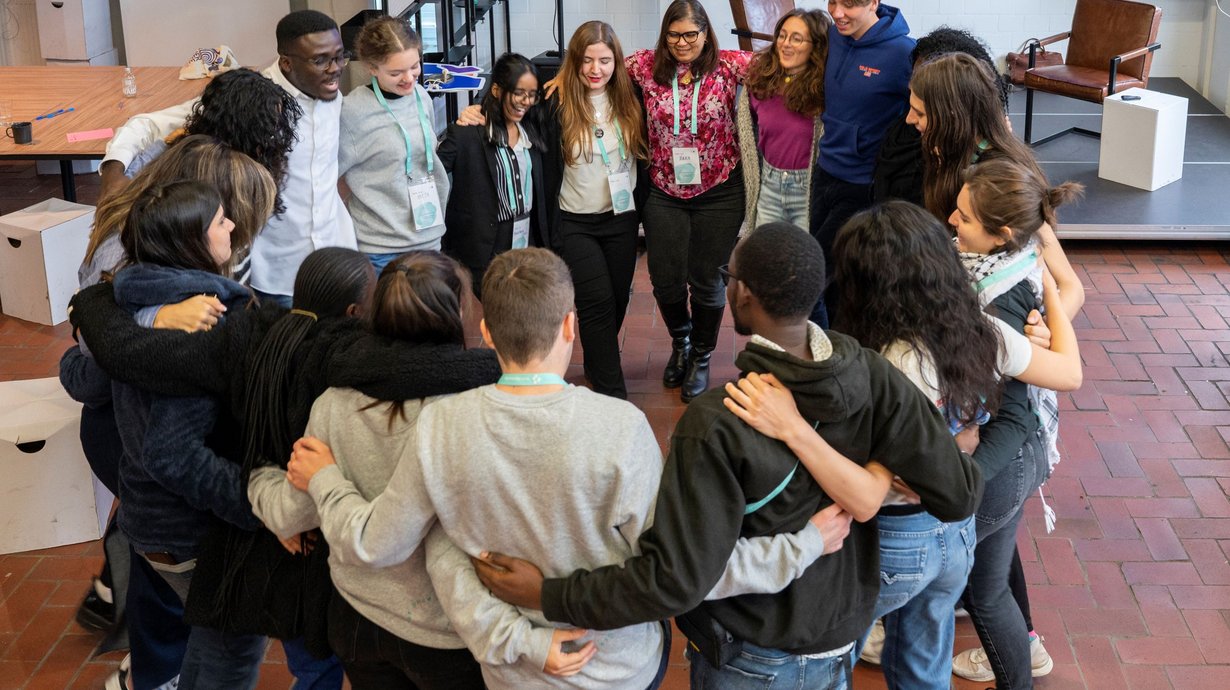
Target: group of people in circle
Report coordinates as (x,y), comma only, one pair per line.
(886,172)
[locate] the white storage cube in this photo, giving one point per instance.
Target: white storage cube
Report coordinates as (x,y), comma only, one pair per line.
(41,248)
(49,496)
(74,29)
(1142,140)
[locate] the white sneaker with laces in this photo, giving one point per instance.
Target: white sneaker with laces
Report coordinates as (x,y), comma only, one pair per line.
(875,644)
(972,664)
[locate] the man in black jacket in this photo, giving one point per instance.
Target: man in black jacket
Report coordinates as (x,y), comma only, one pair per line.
(723,480)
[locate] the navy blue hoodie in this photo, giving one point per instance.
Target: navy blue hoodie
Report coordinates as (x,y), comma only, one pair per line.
(174,472)
(867,87)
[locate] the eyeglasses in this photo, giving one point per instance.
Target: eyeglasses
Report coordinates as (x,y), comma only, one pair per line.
(793,39)
(727,276)
(321,62)
(688,37)
(525,95)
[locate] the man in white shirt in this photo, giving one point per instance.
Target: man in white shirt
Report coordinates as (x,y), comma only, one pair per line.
(309,65)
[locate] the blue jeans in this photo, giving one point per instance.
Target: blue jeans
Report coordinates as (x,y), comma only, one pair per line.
(217,659)
(924,565)
(772,669)
(379,261)
(782,197)
(268,297)
(995,613)
(311,673)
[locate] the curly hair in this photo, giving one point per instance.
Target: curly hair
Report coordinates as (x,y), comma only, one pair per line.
(947,39)
(252,115)
(961,96)
(899,280)
(576,115)
(805,94)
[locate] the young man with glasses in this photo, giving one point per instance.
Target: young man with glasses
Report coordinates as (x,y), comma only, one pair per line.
(309,66)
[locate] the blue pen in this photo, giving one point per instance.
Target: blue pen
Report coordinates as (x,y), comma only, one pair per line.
(50,115)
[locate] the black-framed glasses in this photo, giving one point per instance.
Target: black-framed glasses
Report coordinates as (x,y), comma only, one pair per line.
(525,95)
(688,37)
(727,276)
(321,62)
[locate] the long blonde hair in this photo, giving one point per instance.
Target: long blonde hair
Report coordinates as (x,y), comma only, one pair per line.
(247,189)
(576,116)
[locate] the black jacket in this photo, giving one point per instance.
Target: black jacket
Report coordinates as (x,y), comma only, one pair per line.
(718,466)
(473,233)
(899,165)
(1000,439)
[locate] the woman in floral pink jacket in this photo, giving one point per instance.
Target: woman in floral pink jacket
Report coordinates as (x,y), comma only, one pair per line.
(696,198)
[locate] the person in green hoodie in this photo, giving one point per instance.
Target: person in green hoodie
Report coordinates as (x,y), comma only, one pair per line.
(723,480)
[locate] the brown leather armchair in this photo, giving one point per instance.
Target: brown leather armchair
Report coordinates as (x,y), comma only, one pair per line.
(756,19)
(1110,49)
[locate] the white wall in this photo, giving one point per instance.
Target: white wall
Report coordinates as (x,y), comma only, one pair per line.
(1003,25)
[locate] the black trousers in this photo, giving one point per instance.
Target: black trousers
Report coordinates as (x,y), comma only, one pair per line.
(376,659)
(833,202)
(600,250)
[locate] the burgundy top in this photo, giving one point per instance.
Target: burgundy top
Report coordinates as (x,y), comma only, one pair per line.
(782,135)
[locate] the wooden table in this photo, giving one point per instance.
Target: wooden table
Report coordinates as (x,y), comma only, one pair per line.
(97,97)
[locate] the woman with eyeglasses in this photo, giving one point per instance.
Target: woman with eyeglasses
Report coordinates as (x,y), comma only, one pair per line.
(779,119)
(387,145)
(696,200)
(497,171)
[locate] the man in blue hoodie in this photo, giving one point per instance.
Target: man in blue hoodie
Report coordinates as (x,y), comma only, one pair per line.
(867,79)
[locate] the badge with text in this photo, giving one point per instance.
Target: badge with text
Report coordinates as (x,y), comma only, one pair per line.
(425,203)
(521,233)
(686,160)
(621,191)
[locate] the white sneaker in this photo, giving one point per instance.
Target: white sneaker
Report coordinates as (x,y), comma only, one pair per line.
(875,644)
(118,680)
(972,664)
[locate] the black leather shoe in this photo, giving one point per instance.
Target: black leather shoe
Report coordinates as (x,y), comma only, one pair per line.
(677,366)
(94,613)
(697,379)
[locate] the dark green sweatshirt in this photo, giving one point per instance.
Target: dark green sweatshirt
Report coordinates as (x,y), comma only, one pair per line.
(719,466)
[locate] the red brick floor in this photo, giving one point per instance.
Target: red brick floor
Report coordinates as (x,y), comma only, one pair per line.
(1132,590)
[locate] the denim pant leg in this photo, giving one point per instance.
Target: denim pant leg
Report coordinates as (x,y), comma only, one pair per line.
(311,673)
(782,196)
(771,669)
(379,261)
(919,631)
(996,615)
(270,298)
(218,659)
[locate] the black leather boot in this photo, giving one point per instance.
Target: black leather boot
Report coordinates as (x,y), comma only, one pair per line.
(706,322)
(677,321)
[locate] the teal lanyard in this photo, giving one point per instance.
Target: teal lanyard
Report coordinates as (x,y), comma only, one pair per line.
(695,95)
(619,136)
(511,185)
(532,380)
(418,100)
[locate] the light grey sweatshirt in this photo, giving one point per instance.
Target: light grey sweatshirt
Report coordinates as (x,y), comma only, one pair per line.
(398,597)
(566,480)
(372,159)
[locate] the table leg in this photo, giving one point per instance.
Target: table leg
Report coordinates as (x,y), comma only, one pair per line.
(68,181)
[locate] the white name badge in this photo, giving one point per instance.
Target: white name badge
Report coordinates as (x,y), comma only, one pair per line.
(425,203)
(521,233)
(621,192)
(686,160)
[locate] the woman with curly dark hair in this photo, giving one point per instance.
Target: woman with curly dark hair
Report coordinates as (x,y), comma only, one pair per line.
(778,115)
(956,360)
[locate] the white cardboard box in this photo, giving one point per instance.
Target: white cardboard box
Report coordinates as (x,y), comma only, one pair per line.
(1142,140)
(41,248)
(74,29)
(49,496)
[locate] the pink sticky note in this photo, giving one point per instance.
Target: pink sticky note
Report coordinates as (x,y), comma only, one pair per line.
(92,134)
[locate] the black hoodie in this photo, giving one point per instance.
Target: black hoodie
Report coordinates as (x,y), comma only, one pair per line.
(719,466)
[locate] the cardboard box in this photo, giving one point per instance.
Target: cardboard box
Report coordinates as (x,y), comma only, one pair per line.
(41,248)
(1143,139)
(49,496)
(74,29)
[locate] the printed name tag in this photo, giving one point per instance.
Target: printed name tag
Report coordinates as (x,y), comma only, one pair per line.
(521,233)
(621,192)
(686,160)
(425,203)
